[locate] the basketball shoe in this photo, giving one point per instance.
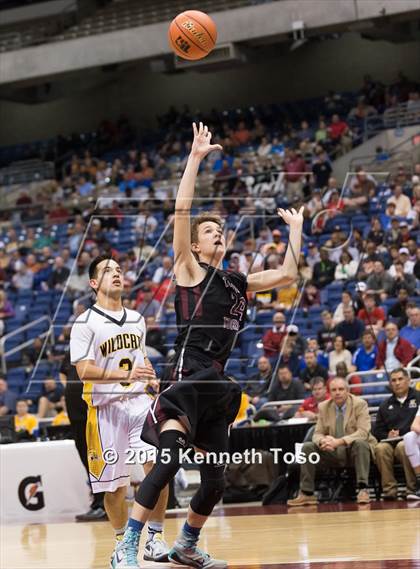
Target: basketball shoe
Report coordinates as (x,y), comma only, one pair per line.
(184,553)
(125,552)
(156,549)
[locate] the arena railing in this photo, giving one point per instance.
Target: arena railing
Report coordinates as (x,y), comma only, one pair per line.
(396,117)
(412,364)
(4,354)
(407,157)
(410,368)
(26,34)
(26,171)
(271,404)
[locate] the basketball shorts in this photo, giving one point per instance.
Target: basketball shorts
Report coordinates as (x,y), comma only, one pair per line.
(204,400)
(113,437)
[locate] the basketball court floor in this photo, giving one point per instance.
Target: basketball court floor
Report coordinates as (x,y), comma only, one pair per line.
(375,536)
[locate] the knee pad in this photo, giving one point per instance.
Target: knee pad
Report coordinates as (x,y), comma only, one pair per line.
(166,466)
(210,491)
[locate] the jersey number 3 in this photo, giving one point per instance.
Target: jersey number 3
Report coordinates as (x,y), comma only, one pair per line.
(127,365)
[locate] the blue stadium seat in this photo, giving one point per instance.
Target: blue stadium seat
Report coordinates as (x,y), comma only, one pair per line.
(17,374)
(315,311)
(15,358)
(37,330)
(170,318)
(44,295)
(254,352)
(264,317)
(25,294)
(21,313)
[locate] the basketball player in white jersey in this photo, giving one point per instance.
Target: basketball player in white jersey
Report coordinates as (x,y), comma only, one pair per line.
(107,346)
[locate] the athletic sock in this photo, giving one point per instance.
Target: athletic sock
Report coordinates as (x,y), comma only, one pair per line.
(362,485)
(305,493)
(119,533)
(153,528)
(133,526)
(189,535)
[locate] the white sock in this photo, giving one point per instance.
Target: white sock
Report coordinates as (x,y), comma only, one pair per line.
(153,528)
(119,533)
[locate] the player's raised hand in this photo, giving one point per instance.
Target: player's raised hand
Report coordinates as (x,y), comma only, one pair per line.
(201,145)
(291,216)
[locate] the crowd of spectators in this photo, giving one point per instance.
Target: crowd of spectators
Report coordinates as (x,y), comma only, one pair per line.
(374,321)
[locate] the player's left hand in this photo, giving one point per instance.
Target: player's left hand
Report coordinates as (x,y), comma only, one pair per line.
(201,145)
(291,216)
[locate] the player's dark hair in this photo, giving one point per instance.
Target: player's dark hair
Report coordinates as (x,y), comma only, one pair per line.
(94,264)
(202,218)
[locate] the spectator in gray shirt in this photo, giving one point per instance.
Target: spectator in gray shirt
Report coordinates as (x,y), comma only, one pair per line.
(24,278)
(312,256)
(380,281)
(149,305)
(286,389)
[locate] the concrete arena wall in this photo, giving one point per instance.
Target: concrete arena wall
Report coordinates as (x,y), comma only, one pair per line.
(309,71)
(236,25)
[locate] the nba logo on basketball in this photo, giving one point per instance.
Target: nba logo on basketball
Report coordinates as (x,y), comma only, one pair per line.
(30,493)
(182,44)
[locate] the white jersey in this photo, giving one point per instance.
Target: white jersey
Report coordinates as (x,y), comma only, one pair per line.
(113,340)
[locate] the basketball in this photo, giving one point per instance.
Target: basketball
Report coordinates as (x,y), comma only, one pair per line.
(192,34)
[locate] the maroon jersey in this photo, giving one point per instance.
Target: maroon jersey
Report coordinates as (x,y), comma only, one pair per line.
(210,315)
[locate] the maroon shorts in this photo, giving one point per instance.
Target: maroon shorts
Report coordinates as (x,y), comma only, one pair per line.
(204,400)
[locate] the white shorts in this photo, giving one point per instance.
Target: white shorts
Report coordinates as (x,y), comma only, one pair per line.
(113,437)
(412,448)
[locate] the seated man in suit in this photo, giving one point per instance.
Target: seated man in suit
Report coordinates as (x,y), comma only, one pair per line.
(342,438)
(393,421)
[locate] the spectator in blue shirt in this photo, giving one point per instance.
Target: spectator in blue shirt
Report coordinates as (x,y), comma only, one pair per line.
(84,187)
(322,357)
(411,331)
(7,399)
(365,356)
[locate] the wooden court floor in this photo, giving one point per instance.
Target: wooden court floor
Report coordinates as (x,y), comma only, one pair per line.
(376,536)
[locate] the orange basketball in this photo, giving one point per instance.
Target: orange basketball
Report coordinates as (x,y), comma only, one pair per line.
(192,34)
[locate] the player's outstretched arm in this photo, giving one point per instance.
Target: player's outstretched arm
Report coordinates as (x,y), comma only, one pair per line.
(201,146)
(288,272)
(87,370)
